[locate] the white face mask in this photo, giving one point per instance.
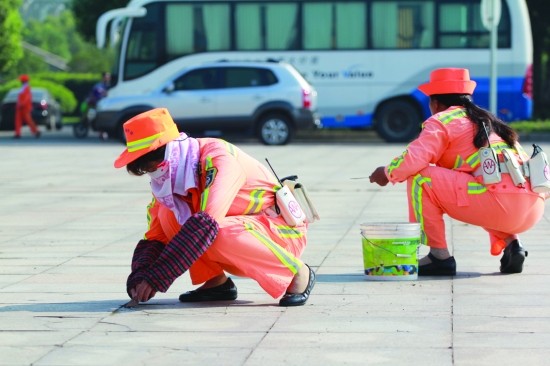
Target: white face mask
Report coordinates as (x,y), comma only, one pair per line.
(162,169)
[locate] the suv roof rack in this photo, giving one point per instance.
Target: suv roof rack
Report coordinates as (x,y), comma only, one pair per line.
(266,60)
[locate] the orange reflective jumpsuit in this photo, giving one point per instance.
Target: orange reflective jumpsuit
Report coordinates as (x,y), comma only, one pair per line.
(239,193)
(23,110)
(440,168)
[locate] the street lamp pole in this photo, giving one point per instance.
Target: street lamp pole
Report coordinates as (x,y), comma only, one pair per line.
(490,16)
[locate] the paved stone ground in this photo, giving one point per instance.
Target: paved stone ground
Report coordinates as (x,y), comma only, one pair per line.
(69,222)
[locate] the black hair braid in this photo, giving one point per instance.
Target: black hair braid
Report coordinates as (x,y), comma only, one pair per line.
(478,116)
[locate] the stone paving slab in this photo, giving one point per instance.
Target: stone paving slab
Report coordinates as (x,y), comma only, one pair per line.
(69,222)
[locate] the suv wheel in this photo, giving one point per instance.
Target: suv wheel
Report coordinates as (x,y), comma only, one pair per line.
(274,129)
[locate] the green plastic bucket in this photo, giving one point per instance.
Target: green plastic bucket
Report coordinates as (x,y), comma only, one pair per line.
(390,250)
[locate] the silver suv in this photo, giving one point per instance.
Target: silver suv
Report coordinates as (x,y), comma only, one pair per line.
(269,99)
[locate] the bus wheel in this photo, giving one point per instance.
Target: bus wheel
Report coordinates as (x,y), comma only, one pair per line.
(274,129)
(398,121)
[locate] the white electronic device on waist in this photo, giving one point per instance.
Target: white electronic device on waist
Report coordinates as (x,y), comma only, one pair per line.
(490,167)
(287,204)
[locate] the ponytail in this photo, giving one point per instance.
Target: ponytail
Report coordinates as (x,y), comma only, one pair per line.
(478,116)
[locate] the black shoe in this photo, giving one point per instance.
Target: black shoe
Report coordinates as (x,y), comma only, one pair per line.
(301,298)
(438,267)
(225,291)
(37,135)
(16,136)
(513,258)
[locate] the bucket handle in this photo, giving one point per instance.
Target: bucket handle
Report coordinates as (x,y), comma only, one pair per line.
(389,251)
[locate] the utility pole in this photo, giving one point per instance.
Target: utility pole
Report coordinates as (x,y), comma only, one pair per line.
(490,16)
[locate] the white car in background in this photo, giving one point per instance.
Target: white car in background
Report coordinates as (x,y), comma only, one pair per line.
(269,99)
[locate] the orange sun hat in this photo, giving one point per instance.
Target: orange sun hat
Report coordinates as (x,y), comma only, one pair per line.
(147,132)
(449,81)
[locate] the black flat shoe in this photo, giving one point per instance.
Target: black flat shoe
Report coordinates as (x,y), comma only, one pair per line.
(438,267)
(225,291)
(301,298)
(513,258)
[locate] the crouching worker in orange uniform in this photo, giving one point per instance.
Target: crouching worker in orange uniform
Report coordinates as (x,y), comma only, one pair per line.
(23,109)
(443,174)
(213,211)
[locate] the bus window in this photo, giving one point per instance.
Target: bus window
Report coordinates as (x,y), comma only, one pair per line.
(460,26)
(318,32)
(266,26)
(400,24)
(215,18)
(141,53)
(196,28)
(453,25)
(334,25)
(351,32)
(179,25)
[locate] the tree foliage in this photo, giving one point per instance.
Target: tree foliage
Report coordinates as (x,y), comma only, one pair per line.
(87,12)
(10,30)
(58,35)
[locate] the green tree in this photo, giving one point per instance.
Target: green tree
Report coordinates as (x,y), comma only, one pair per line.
(540,25)
(87,12)
(89,58)
(58,35)
(10,30)
(52,34)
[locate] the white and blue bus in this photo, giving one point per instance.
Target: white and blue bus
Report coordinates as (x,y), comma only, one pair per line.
(365,58)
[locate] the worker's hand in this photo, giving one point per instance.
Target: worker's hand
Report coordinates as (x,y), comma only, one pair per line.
(142,292)
(379,176)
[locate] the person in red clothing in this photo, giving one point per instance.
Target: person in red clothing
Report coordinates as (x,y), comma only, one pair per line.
(23,108)
(444,169)
(213,212)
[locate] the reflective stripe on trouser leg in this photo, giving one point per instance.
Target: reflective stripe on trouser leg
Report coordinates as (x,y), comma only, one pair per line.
(415,197)
(253,247)
(290,262)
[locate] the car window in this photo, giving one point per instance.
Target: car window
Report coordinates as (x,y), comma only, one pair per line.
(199,79)
(36,93)
(242,77)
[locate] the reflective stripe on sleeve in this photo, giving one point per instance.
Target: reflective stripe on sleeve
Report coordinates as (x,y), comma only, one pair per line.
(396,162)
(256,201)
(204,196)
(149,218)
(230,148)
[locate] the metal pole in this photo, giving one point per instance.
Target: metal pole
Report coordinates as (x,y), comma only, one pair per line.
(494,43)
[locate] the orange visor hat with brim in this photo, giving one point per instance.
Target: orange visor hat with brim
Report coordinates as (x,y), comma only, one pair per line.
(449,81)
(147,132)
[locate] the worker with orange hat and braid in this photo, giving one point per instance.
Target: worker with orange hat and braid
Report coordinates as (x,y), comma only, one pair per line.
(23,109)
(213,212)
(444,173)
